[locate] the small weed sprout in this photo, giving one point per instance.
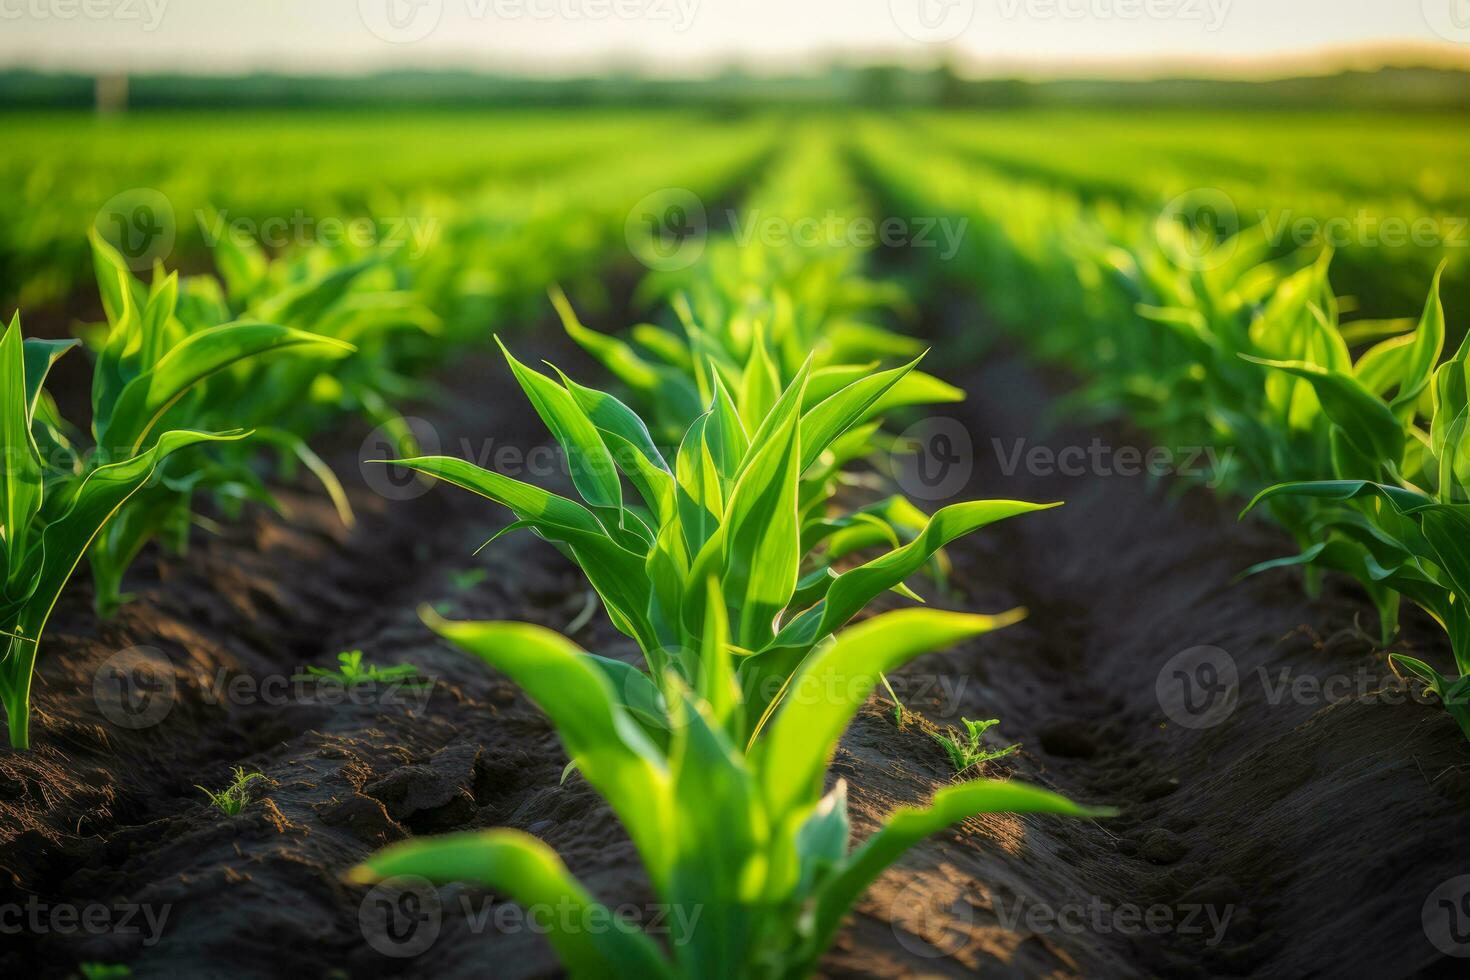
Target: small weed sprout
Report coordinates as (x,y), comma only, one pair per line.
(900,713)
(234,797)
(463,580)
(351,671)
(103,971)
(965,749)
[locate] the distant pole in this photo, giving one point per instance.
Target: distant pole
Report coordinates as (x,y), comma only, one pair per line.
(112,94)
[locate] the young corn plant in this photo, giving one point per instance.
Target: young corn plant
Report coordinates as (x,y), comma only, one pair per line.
(674,377)
(52,516)
(736,504)
(1210,341)
(751,839)
(172,356)
(807,296)
(1398,516)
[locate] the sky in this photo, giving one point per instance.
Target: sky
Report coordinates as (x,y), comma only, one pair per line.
(697,36)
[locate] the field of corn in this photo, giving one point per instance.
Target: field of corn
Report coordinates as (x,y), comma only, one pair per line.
(670,544)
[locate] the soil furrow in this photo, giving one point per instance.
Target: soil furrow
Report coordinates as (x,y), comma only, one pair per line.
(1276,810)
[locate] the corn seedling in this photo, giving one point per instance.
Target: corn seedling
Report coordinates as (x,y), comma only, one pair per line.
(168,360)
(733,505)
(51,517)
(753,840)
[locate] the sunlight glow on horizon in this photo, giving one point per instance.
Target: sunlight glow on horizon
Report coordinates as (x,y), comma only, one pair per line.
(701,36)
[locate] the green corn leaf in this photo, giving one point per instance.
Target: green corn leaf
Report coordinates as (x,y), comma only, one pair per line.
(157,338)
(1447,529)
(715,863)
(593,470)
(700,490)
(117,547)
(530,503)
(1367,421)
(616,573)
(21,460)
(725,434)
(49,565)
(1404,501)
(307,303)
(609,747)
(40,357)
(758,542)
(638,695)
(822,840)
(654,483)
(241,264)
(608,414)
(296,446)
(760,384)
(1454,694)
(718,687)
(590,941)
(1425,352)
(668,571)
(825,422)
(143,401)
(805,730)
(909,825)
(1385,364)
(616,356)
(854,589)
(115,281)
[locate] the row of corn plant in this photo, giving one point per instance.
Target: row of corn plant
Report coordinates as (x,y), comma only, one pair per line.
(1213,339)
(255,167)
(720,557)
(194,375)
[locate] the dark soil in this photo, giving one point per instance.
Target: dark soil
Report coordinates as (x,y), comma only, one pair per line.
(1300,835)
